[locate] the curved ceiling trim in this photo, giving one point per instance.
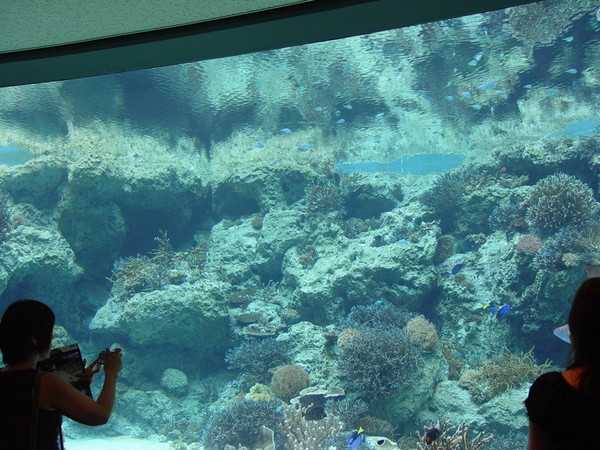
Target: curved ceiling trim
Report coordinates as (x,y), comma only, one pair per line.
(319,20)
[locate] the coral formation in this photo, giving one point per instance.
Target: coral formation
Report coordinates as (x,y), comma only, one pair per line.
(444,249)
(504,372)
(300,434)
(422,332)
(378,361)
(288,381)
(324,197)
(255,358)
(240,423)
(446,194)
(528,244)
(174,381)
(560,200)
(5,219)
(452,437)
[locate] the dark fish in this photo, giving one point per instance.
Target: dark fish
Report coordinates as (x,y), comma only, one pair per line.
(314,413)
(457,268)
(431,435)
(355,439)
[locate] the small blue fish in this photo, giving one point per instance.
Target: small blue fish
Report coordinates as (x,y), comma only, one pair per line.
(504,96)
(551,91)
(478,56)
(476,106)
(286,130)
(466,94)
(487,85)
(379,115)
(502,312)
(568,39)
(249,149)
(340,121)
(260,145)
(355,439)
(348,106)
(572,70)
(402,241)
(306,145)
(457,268)
(449,97)
(319,108)
(472,62)
(528,86)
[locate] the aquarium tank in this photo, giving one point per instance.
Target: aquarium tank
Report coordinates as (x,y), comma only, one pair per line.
(374,233)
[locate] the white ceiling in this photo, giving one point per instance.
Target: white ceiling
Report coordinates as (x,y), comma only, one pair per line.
(30,24)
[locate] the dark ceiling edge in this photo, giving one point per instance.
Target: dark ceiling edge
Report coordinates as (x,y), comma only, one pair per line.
(316,21)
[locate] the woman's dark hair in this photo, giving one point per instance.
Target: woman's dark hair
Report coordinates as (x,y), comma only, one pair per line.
(584,327)
(22,321)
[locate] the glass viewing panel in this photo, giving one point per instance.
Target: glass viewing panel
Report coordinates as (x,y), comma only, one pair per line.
(396,221)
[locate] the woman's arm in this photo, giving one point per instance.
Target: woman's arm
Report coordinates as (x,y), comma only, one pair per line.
(56,393)
(538,439)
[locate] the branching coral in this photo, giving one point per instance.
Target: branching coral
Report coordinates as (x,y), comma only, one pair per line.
(378,361)
(350,410)
(137,274)
(508,217)
(323,197)
(506,371)
(255,358)
(452,438)
(378,314)
(570,247)
(528,244)
(144,273)
(560,200)
(586,242)
(446,194)
(240,423)
(301,434)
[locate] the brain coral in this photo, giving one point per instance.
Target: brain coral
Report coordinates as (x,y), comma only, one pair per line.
(560,200)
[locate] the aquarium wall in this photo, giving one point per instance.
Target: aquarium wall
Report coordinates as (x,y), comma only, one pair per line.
(380,232)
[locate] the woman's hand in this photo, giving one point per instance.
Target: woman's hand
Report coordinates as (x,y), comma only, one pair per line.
(113,363)
(89,371)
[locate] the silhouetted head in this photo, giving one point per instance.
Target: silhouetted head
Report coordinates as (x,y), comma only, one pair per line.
(584,327)
(25,329)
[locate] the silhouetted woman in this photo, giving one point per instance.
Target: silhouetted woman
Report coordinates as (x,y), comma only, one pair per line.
(564,407)
(25,338)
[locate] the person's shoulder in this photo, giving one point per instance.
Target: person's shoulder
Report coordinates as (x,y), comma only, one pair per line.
(545,381)
(52,381)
